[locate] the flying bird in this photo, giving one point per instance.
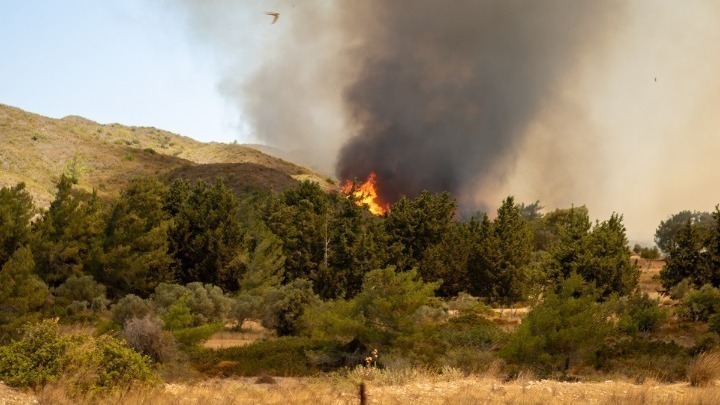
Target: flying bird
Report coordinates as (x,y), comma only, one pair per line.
(274,15)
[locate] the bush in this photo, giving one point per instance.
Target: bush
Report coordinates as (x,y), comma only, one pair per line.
(246,306)
(288,356)
(78,294)
(640,313)
(714,323)
(130,306)
(563,329)
(146,336)
(38,357)
(699,305)
(85,364)
(106,364)
(286,305)
(205,302)
(650,253)
(190,337)
(705,369)
(678,291)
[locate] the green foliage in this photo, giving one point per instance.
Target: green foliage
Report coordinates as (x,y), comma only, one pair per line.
(417,224)
(262,258)
(649,253)
(130,306)
(606,261)
(686,258)
(135,247)
(386,309)
(205,219)
(86,364)
(22,293)
(447,261)
(566,328)
(714,322)
(700,305)
(286,305)
(288,356)
(597,253)
(67,239)
(640,313)
(37,358)
(104,364)
(499,265)
(77,294)
(194,336)
(206,303)
(16,210)
(246,306)
(326,238)
(670,229)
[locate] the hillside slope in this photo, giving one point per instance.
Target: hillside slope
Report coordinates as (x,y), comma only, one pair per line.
(36,150)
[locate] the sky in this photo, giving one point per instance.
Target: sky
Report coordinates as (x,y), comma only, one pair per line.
(112,61)
(633,127)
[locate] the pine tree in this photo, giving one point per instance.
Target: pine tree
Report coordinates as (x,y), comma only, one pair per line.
(16,210)
(67,240)
(22,293)
(135,247)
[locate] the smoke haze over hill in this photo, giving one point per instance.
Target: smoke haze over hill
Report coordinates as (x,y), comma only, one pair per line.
(604,103)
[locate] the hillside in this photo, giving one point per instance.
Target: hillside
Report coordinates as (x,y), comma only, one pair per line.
(36,150)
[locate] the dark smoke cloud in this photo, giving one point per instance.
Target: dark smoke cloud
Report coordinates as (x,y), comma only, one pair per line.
(446,90)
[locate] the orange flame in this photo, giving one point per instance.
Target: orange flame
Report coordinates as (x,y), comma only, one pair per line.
(366,194)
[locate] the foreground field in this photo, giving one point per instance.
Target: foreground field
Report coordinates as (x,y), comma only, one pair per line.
(421,390)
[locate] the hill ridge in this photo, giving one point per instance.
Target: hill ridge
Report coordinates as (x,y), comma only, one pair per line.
(36,150)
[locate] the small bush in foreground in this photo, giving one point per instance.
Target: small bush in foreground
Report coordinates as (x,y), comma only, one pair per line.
(38,357)
(705,369)
(84,364)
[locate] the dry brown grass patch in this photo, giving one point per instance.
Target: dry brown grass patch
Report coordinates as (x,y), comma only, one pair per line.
(705,369)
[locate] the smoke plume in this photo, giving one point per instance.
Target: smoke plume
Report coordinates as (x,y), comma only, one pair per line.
(446,92)
(607,103)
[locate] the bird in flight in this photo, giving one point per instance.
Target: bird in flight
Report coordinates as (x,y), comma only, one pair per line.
(274,15)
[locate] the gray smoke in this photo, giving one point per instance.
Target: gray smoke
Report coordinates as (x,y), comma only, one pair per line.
(446,91)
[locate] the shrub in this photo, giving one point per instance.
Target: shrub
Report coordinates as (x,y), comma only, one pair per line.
(705,369)
(83,291)
(286,305)
(650,253)
(206,302)
(640,313)
(714,323)
(38,357)
(699,305)
(130,306)
(85,364)
(146,336)
(564,328)
(190,337)
(105,364)
(289,356)
(246,306)
(678,291)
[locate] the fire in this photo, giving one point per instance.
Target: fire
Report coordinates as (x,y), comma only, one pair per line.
(366,194)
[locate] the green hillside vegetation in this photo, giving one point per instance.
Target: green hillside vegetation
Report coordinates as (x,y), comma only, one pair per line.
(36,149)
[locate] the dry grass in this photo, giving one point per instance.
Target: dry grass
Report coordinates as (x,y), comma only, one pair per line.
(705,369)
(419,387)
(250,332)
